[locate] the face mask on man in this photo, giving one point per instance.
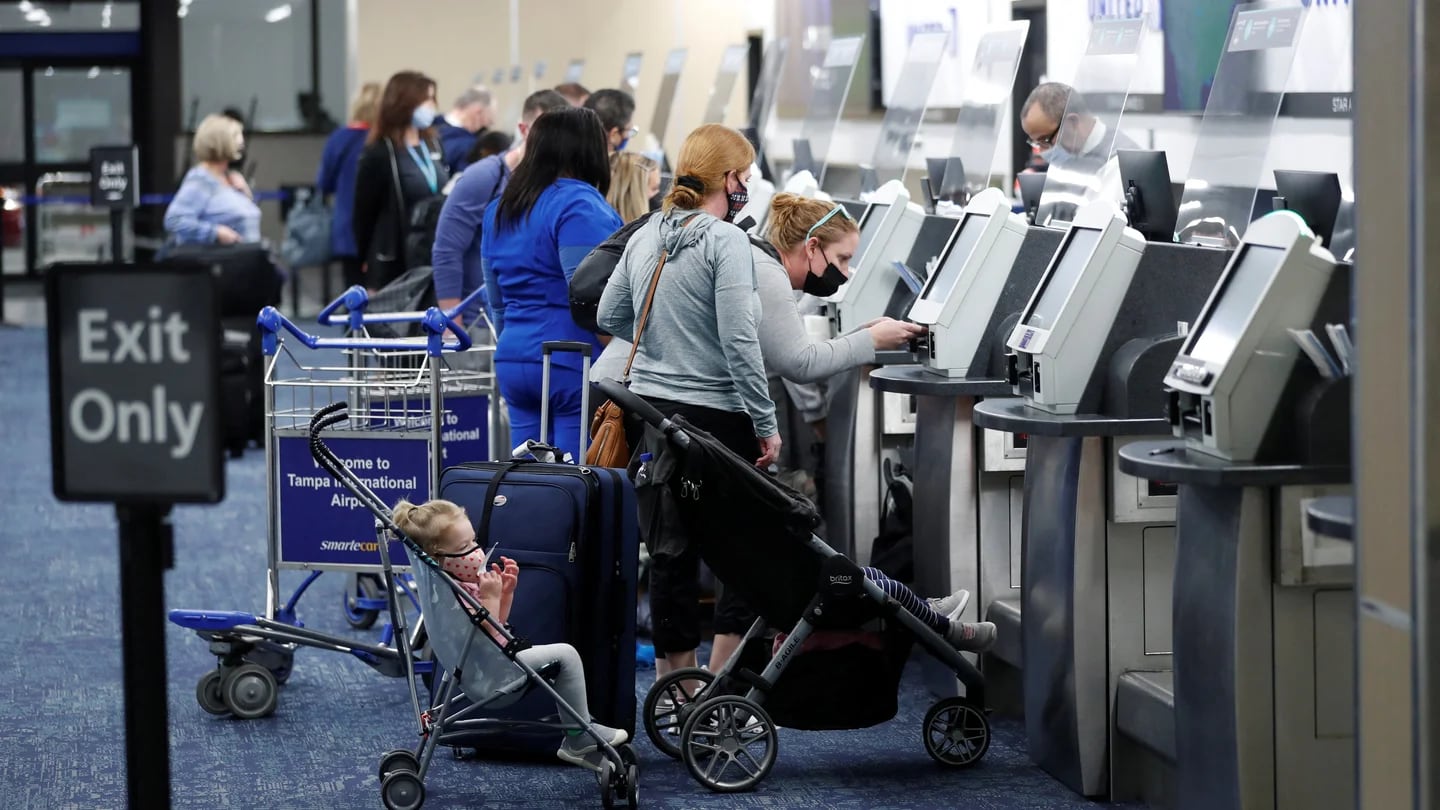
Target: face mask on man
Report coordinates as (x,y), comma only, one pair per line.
(423,116)
(737,201)
(825,283)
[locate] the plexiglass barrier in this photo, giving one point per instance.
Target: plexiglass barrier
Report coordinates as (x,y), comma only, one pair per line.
(827,101)
(731,62)
(630,72)
(575,70)
(985,98)
(762,103)
(1235,134)
(1080,165)
(907,105)
(665,103)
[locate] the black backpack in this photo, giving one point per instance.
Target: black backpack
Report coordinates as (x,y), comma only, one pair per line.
(894,550)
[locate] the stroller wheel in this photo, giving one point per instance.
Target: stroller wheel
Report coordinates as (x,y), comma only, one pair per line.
(670,702)
(361,586)
(398,760)
(208,694)
(605,779)
(632,776)
(250,691)
(729,744)
(956,733)
(402,790)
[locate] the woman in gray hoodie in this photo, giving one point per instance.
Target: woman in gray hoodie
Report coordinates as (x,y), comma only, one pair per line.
(699,354)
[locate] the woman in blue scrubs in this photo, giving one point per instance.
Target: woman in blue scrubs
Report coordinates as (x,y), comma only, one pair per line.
(550,216)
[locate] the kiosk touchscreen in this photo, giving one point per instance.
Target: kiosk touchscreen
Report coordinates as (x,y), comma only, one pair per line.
(1062,330)
(887,233)
(1233,367)
(957,300)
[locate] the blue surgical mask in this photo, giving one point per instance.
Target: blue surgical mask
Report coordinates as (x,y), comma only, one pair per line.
(1056,154)
(623,141)
(423,116)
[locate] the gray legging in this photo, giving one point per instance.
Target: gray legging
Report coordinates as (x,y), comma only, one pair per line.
(569,682)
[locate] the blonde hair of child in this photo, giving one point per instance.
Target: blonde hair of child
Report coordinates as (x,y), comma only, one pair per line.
(427,523)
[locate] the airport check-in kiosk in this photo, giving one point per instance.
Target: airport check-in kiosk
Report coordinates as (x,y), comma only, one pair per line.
(1261,703)
(887,233)
(968,484)
(1090,353)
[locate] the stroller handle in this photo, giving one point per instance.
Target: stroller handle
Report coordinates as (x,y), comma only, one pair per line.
(631,403)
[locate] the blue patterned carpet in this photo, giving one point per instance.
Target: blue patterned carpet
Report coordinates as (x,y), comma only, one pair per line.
(61,724)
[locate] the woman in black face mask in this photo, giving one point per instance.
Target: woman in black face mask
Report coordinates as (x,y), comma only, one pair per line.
(808,246)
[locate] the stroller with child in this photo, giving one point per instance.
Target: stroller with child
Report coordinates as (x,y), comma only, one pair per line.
(475,654)
(840,663)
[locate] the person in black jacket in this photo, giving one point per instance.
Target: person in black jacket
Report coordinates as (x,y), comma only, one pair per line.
(401,167)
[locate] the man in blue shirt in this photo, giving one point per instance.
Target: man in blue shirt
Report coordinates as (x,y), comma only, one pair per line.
(472,114)
(456,255)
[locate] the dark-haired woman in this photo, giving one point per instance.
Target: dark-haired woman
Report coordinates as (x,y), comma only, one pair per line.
(401,166)
(550,216)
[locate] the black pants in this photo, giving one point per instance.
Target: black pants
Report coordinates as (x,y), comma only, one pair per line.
(351,266)
(675,575)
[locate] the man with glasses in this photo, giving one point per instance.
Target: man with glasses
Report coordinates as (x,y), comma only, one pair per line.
(1059,124)
(616,110)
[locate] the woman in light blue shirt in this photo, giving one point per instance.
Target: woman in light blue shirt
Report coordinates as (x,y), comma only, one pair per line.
(214,204)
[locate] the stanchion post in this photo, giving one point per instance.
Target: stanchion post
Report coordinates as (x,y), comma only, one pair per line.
(117,235)
(146,552)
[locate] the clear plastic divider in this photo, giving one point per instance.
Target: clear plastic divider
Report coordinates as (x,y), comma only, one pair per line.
(762,103)
(1080,166)
(907,105)
(630,73)
(1236,132)
(665,102)
(985,99)
(731,62)
(575,70)
(827,101)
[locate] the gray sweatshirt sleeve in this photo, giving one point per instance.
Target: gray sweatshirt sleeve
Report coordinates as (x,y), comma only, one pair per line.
(737,322)
(616,313)
(787,347)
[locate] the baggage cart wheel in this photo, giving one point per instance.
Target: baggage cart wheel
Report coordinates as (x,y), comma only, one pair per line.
(360,586)
(632,776)
(729,744)
(208,694)
(398,760)
(670,702)
(402,790)
(250,691)
(956,732)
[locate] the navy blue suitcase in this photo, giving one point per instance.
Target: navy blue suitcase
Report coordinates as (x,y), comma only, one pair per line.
(573,531)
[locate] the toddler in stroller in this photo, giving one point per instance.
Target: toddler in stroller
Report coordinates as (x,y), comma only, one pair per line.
(442,529)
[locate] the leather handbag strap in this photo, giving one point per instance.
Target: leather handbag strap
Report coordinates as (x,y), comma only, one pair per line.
(399,199)
(649,300)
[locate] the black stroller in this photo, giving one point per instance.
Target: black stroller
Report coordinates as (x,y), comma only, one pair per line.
(840,665)
(474,654)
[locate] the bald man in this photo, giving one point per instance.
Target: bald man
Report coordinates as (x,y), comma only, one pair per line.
(1058,123)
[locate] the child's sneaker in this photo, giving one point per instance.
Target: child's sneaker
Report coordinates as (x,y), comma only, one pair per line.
(578,746)
(950,606)
(971,636)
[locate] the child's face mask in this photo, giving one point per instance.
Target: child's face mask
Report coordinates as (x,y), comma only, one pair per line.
(464,565)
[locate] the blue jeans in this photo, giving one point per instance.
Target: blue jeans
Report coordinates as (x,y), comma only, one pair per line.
(520,384)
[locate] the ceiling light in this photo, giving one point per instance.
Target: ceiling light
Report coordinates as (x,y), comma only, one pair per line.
(278,13)
(25,6)
(35,15)
(94,71)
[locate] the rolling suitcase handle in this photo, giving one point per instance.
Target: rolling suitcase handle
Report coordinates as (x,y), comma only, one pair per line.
(583,349)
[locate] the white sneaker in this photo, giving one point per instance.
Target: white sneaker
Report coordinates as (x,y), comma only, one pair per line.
(950,606)
(577,747)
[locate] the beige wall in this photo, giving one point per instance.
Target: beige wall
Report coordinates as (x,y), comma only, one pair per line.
(453,40)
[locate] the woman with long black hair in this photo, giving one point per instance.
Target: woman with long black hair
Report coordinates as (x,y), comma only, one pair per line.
(400,169)
(550,216)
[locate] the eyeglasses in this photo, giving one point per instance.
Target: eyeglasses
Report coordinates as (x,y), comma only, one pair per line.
(1048,140)
(838,209)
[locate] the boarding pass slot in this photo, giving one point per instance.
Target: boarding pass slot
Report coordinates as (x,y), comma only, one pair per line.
(1002,452)
(1304,557)
(1138,500)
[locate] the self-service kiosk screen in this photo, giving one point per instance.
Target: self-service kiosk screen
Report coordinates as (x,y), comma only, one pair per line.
(953,262)
(1058,284)
(1215,341)
(870,225)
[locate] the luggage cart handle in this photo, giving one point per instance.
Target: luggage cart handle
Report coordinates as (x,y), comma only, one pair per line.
(357,298)
(435,322)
